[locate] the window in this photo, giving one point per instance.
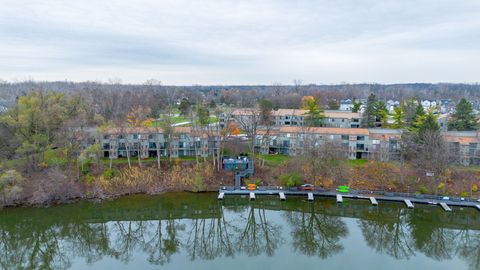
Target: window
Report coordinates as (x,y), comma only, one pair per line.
(106,137)
(135,136)
(360,138)
(344,137)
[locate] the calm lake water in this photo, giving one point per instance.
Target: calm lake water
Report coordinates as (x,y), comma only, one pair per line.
(195,231)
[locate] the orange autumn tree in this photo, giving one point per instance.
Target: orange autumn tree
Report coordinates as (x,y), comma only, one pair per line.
(307,100)
(137,117)
(232,128)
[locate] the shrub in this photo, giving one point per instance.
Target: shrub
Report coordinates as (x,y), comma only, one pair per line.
(85,170)
(291,179)
(474,188)
(423,190)
(89,179)
(464,194)
(198,183)
(441,186)
(108,173)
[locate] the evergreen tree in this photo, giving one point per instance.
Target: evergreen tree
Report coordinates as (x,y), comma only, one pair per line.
(463,118)
(398,117)
(315,114)
(381,113)
(356,106)
(376,112)
(429,123)
(369,117)
(409,108)
(418,118)
(266,107)
(333,104)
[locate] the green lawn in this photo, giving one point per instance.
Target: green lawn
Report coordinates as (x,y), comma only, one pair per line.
(357,162)
(181,119)
(274,160)
(134,160)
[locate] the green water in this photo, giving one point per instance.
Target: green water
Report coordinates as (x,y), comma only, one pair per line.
(195,231)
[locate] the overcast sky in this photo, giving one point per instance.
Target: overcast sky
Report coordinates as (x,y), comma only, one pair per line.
(241,42)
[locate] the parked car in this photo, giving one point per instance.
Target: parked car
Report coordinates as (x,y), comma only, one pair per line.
(446,198)
(305,187)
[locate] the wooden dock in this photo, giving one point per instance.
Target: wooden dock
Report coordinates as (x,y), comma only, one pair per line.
(373,201)
(445,207)
(409,203)
(339,198)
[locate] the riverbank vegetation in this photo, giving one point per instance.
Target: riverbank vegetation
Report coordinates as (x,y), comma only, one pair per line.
(46,157)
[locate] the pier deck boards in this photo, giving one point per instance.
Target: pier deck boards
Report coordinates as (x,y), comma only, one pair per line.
(409,203)
(445,207)
(363,196)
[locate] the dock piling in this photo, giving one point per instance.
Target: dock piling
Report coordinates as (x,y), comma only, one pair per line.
(445,207)
(282,196)
(310,196)
(408,203)
(221,195)
(339,198)
(252,196)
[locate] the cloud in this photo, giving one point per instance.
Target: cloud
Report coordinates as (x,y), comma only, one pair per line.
(241,42)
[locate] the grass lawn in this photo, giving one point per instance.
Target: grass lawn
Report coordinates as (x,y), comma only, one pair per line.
(357,162)
(274,160)
(134,160)
(180,119)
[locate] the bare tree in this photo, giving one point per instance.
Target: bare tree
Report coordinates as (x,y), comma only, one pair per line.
(249,119)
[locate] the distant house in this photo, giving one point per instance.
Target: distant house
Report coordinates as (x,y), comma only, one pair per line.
(391,105)
(296,117)
(429,104)
(346,105)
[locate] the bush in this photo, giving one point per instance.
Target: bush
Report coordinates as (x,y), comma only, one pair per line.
(89,179)
(85,170)
(108,174)
(474,188)
(423,190)
(198,183)
(464,194)
(291,179)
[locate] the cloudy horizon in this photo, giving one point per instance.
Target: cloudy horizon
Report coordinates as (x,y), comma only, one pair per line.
(241,42)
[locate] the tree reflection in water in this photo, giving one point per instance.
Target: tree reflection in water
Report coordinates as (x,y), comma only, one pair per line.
(316,234)
(55,238)
(259,234)
(209,238)
(386,230)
